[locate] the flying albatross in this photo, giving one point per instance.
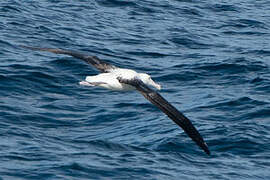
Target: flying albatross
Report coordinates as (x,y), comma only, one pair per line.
(120,79)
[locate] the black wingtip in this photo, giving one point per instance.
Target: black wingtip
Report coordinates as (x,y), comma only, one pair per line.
(56,51)
(28,47)
(197,138)
(206,149)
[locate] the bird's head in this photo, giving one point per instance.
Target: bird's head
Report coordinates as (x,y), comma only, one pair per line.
(146,79)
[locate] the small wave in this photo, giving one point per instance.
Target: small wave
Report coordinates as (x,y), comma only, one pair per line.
(148,54)
(191,11)
(239,103)
(10,9)
(175,145)
(244,23)
(260,81)
(246,33)
(262,113)
(103,145)
(237,145)
(258,52)
(224,8)
(181,76)
(116,3)
(189,43)
(231,68)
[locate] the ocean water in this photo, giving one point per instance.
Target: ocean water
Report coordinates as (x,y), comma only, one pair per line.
(212,59)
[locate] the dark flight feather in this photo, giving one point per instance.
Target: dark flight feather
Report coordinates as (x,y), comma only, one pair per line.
(181,120)
(93,60)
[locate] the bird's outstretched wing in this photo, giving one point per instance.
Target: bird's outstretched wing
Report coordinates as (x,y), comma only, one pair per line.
(93,60)
(181,120)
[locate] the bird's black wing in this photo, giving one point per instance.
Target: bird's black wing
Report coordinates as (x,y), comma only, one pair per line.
(93,60)
(181,120)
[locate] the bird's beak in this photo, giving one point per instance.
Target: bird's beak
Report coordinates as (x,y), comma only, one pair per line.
(155,85)
(158,86)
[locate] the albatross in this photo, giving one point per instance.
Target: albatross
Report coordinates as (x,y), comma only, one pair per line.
(120,79)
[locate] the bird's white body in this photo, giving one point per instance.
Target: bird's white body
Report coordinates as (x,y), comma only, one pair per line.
(109,80)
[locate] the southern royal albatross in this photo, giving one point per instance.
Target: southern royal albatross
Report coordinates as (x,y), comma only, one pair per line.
(115,78)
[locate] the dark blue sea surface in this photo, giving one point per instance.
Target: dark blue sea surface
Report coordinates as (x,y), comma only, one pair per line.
(212,59)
